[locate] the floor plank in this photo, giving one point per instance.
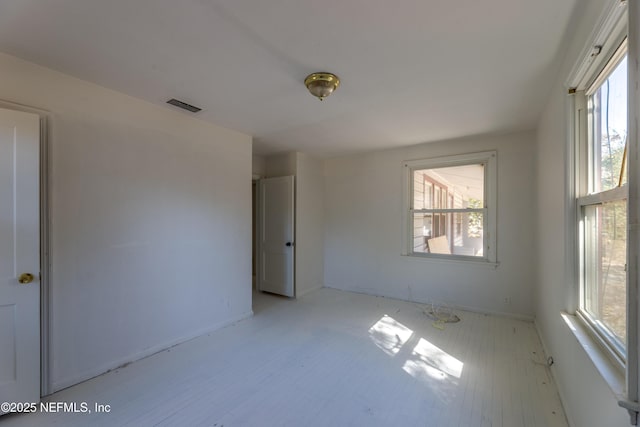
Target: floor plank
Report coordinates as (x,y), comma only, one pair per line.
(330,358)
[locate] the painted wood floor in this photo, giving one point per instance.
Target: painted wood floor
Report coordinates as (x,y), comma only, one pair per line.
(331,358)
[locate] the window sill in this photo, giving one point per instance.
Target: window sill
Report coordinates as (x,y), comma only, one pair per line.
(459,260)
(608,369)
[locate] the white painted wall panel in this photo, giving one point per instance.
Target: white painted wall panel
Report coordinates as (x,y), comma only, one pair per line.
(150,222)
(283,164)
(363,239)
(259,165)
(309,223)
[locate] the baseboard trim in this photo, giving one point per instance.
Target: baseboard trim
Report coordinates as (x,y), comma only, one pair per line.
(517,316)
(87,375)
(551,371)
(308,291)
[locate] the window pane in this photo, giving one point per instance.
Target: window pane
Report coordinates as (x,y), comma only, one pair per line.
(418,191)
(459,233)
(605,289)
(428,194)
(464,185)
(609,133)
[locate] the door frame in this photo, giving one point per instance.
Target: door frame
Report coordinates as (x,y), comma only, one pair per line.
(255,210)
(45,195)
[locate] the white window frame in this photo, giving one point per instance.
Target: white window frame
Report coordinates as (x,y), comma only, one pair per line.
(489,210)
(589,73)
(585,198)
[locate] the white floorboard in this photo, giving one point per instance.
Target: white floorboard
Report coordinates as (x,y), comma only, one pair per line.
(331,358)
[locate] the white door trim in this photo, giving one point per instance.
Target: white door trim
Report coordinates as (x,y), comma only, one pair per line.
(45,294)
(255,210)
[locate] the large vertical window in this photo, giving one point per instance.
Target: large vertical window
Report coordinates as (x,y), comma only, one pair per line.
(602,204)
(450,207)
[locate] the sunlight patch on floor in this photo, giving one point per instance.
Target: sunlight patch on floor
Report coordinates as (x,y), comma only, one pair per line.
(389,334)
(427,359)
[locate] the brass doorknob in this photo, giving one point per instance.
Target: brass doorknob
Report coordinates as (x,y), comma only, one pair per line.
(25,278)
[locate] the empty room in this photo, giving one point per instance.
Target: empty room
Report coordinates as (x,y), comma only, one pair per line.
(293,213)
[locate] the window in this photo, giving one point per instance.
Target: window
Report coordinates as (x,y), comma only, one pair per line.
(602,204)
(450,207)
(602,198)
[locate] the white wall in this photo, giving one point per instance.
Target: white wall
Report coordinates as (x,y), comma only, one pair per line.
(283,164)
(363,240)
(258,165)
(150,214)
(309,224)
(587,399)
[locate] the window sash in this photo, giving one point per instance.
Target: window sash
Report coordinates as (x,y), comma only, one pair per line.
(612,63)
(442,213)
(618,193)
(592,170)
(602,333)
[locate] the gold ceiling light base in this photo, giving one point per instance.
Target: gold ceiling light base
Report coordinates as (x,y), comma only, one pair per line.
(321,85)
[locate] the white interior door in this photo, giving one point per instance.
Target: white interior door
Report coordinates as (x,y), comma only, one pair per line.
(277,235)
(19,257)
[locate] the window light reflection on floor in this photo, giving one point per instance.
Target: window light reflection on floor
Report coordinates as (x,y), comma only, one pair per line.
(429,360)
(425,359)
(389,334)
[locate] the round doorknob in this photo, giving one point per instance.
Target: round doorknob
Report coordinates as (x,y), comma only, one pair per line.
(25,278)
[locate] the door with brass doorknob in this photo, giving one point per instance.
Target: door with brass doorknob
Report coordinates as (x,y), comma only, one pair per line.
(19,257)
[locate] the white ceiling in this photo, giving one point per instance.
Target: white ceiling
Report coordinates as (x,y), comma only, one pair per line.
(412,71)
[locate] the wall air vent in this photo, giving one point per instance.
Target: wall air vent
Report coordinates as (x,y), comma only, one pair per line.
(183,105)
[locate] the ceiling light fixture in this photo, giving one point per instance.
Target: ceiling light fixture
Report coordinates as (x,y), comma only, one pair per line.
(321,85)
